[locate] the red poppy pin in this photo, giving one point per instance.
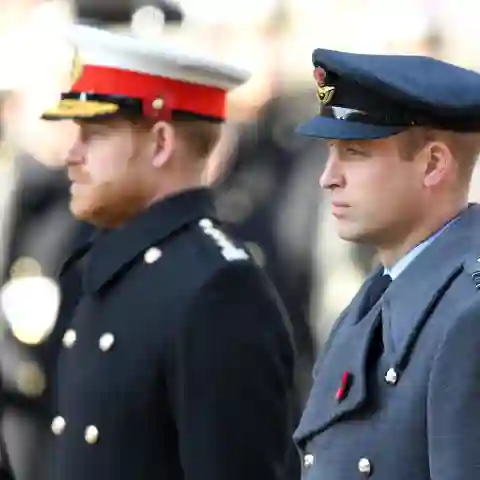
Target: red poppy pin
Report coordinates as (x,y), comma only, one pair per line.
(344,386)
(319,74)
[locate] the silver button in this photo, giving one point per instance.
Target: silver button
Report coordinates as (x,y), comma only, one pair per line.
(364,466)
(91,434)
(69,338)
(205,223)
(58,425)
(391,376)
(152,255)
(308,460)
(106,342)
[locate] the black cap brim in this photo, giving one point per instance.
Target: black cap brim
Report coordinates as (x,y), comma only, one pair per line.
(334,129)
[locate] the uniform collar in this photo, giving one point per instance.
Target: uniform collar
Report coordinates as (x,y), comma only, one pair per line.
(112,250)
(424,281)
(403,263)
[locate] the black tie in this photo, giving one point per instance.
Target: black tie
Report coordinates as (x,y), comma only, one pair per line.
(374,292)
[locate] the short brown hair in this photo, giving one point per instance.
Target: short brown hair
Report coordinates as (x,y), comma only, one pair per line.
(200,136)
(465,147)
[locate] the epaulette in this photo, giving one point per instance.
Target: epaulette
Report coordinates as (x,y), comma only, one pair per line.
(228,250)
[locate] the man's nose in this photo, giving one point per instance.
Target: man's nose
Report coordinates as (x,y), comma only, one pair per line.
(332,176)
(76,152)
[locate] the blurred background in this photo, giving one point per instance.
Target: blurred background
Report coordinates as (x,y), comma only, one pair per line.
(265,178)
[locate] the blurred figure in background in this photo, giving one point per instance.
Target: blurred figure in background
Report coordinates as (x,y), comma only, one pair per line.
(41,234)
(38,234)
(37,231)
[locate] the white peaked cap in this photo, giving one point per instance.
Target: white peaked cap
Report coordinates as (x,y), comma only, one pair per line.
(112,72)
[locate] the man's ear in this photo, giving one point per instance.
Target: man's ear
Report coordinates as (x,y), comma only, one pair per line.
(165,143)
(438,163)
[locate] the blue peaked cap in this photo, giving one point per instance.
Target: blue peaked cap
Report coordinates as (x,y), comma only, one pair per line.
(373,96)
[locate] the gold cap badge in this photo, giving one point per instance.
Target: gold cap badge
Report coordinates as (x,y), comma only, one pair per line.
(324,92)
(77,67)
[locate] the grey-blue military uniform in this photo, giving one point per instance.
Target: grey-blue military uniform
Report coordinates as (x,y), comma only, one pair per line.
(396,392)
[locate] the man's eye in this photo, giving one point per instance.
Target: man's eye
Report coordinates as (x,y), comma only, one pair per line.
(92,134)
(355,151)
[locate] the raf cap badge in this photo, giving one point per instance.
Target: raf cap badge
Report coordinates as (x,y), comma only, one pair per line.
(324,92)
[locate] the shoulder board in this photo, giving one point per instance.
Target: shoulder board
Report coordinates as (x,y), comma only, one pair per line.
(228,250)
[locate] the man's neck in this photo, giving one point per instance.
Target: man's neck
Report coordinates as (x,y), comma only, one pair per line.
(171,190)
(389,255)
(146,202)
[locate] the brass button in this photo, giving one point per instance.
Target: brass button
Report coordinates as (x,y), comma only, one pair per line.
(69,338)
(308,460)
(91,434)
(364,466)
(31,380)
(158,103)
(391,376)
(152,255)
(106,342)
(58,425)
(25,267)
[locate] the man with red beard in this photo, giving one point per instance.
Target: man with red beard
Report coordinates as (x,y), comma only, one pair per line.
(178,361)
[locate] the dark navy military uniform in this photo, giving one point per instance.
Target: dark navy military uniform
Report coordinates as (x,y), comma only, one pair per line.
(397,386)
(178,361)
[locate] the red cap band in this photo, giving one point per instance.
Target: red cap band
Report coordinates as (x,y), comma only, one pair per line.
(176,94)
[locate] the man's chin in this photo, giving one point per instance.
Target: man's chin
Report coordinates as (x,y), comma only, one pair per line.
(80,210)
(101,215)
(349,234)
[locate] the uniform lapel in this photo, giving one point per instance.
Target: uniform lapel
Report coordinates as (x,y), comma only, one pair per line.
(115,249)
(412,297)
(83,243)
(347,356)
